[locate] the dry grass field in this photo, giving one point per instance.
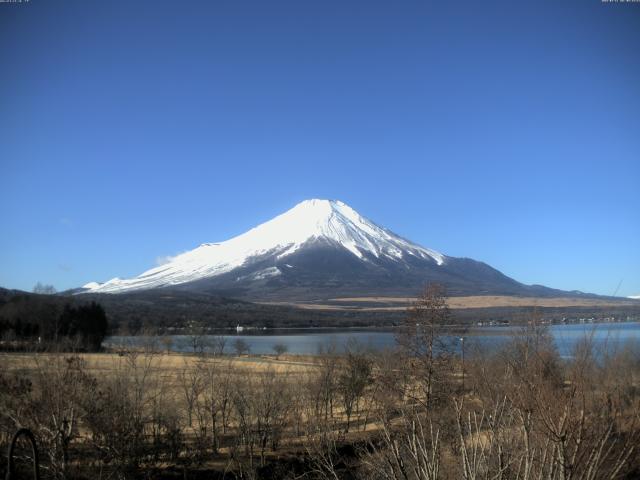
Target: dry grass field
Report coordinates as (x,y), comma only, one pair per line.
(489,301)
(163,364)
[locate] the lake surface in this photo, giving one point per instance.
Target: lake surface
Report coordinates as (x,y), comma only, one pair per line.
(607,336)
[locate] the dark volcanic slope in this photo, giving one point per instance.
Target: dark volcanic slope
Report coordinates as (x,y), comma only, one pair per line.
(323,270)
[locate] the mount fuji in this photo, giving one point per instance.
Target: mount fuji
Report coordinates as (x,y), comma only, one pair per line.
(319,249)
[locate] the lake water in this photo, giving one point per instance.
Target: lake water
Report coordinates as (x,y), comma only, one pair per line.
(608,336)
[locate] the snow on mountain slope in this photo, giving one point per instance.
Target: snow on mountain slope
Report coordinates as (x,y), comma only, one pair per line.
(309,221)
(634,297)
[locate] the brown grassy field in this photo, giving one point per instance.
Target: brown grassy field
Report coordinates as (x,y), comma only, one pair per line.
(478,301)
(166,365)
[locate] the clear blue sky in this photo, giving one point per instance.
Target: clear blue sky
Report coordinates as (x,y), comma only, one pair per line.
(508,132)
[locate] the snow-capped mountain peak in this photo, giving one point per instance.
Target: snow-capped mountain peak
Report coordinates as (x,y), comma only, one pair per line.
(309,222)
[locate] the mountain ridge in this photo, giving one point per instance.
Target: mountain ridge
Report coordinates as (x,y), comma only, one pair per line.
(320,249)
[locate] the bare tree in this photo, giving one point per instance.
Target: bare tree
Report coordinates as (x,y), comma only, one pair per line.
(407,449)
(53,407)
(262,410)
(354,377)
(120,412)
(390,383)
(272,406)
(426,352)
(217,344)
(167,342)
(241,346)
(216,398)
(280,349)
(322,446)
(196,336)
(322,385)
(191,383)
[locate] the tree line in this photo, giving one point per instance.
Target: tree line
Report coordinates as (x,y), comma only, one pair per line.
(26,320)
